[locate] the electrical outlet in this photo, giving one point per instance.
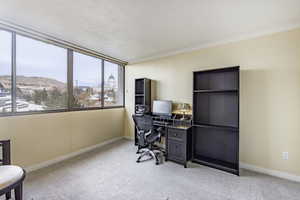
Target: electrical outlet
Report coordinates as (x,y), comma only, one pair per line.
(285,155)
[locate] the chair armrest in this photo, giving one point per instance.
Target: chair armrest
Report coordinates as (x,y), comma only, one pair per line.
(143,133)
(159,129)
(148,133)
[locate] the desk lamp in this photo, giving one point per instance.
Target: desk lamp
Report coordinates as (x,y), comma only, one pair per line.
(183,107)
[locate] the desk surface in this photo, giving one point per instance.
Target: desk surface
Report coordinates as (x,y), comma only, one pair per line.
(169,122)
(183,127)
(173,125)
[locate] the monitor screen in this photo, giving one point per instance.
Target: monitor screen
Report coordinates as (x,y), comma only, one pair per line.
(161,107)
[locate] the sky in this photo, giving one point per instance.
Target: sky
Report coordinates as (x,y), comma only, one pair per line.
(5,53)
(35,58)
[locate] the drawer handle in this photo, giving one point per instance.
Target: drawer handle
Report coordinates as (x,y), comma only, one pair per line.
(175,134)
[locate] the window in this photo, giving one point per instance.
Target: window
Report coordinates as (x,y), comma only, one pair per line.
(113,84)
(87,80)
(44,75)
(5,71)
(41,76)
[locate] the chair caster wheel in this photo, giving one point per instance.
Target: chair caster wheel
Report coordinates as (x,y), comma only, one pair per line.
(137,161)
(157,163)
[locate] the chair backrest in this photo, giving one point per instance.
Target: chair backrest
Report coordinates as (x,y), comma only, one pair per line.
(143,122)
(5,148)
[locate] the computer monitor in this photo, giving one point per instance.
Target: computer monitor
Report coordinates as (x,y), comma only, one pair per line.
(162,108)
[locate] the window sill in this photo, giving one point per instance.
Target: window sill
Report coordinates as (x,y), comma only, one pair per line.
(11,114)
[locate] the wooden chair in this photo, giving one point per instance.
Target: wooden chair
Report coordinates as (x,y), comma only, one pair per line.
(11,176)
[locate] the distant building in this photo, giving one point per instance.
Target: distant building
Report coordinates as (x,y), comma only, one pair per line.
(111,82)
(84,88)
(5,87)
(5,84)
(110,90)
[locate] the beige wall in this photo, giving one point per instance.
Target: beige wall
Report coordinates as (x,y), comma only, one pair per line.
(39,138)
(270,93)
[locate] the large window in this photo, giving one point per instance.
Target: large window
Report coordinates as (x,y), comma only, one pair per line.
(87,81)
(38,76)
(113,84)
(5,72)
(41,76)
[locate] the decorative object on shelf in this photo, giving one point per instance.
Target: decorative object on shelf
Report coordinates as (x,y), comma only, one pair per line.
(184,108)
(142,109)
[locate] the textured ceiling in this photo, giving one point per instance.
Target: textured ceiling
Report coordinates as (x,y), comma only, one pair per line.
(134,30)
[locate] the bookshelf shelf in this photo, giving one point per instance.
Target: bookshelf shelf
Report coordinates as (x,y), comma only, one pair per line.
(231,128)
(214,91)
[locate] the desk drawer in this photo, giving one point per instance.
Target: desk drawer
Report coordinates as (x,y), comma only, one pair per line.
(176,134)
(176,151)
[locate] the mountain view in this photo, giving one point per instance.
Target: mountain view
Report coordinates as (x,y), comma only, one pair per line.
(33,93)
(40,93)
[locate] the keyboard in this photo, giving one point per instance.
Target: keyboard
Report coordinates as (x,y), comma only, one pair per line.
(161,123)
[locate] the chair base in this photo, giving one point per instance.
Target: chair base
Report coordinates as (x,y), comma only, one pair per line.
(153,154)
(8,195)
(18,189)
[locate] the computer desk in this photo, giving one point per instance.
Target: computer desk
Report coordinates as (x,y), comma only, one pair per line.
(178,138)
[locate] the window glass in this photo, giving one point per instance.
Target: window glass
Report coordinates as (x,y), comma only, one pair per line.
(87,81)
(113,84)
(41,76)
(5,71)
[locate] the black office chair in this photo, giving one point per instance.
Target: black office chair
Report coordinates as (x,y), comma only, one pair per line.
(147,135)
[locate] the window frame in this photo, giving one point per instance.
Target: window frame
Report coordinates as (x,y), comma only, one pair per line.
(11,71)
(70,66)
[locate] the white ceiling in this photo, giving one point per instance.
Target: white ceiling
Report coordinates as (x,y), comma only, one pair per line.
(134,30)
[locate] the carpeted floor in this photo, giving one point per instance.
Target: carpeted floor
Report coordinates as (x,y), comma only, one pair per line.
(111,172)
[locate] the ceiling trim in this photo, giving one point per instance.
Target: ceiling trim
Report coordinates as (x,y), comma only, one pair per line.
(29,32)
(214,44)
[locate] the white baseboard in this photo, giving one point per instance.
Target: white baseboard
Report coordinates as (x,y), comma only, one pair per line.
(70,155)
(128,138)
(271,172)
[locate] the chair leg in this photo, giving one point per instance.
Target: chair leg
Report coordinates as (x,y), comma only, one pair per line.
(19,192)
(154,156)
(138,151)
(8,195)
(142,155)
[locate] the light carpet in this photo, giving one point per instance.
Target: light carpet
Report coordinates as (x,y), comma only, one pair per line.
(111,172)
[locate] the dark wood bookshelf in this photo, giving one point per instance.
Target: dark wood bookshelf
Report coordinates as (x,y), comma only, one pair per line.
(216,119)
(142,96)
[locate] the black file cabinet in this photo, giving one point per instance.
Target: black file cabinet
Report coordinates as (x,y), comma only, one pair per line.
(178,144)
